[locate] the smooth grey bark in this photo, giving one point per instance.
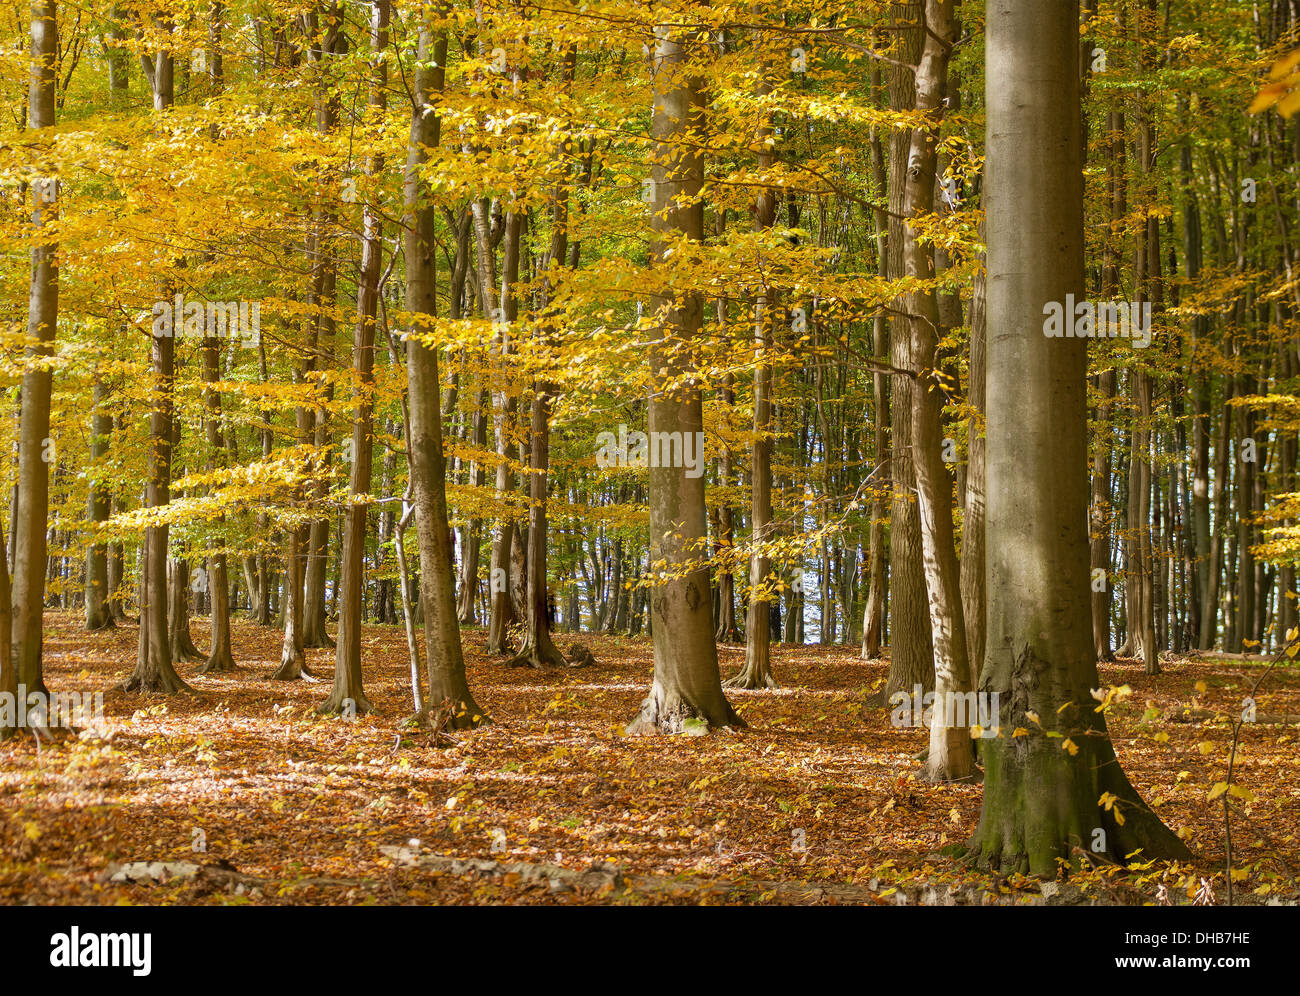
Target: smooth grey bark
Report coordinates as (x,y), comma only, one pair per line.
(1041,802)
(911,649)
(973,547)
(31,514)
(154,670)
(873,613)
(98,508)
(757,672)
(448,690)
(178,613)
(950,756)
(686,686)
(348,688)
(500,314)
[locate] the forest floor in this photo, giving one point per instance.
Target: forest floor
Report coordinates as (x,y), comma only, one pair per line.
(288,807)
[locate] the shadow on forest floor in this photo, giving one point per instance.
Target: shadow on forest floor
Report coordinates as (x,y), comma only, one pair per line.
(820,789)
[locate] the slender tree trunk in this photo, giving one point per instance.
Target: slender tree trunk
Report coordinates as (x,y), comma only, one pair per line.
(154,671)
(502,613)
(293,659)
(950,757)
(348,689)
(973,548)
(757,672)
(538,648)
(33,487)
(911,658)
(8,668)
(873,619)
(448,691)
(99,506)
(178,613)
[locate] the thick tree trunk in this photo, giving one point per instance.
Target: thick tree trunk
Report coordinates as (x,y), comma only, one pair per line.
(686,687)
(1041,662)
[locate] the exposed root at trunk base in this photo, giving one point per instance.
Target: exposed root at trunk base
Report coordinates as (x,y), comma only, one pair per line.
(355,704)
(156,683)
(751,678)
(581,656)
(670,712)
(1042,810)
(293,669)
(218,664)
(540,655)
(448,715)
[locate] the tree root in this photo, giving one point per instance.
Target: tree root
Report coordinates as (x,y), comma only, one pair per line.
(670,713)
(751,679)
(333,706)
(218,664)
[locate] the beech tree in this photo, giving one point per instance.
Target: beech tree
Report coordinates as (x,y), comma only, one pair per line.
(686,686)
(1051,776)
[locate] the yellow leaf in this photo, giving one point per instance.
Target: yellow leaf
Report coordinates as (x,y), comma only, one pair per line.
(1068,744)
(1218,790)
(1284,65)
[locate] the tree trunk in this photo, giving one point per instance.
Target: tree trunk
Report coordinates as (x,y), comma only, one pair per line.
(99,506)
(293,660)
(178,613)
(445,663)
(951,757)
(1041,662)
(873,617)
(33,486)
(686,687)
(538,648)
(757,672)
(348,692)
(502,606)
(911,658)
(153,669)
(973,547)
